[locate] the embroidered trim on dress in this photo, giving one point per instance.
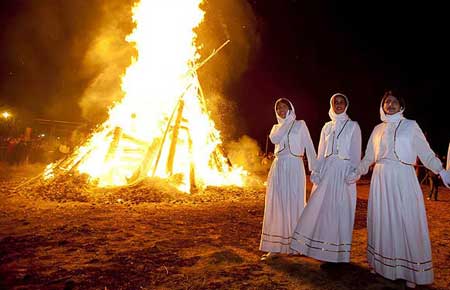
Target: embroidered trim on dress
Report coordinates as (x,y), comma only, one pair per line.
(322,242)
(289,144)
(394,259)
(274,242)
(409,268)
(288,238)
(403,260)
(332,145)
(321,249)
(395,140)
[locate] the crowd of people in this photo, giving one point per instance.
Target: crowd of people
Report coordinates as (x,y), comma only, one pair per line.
(19,150)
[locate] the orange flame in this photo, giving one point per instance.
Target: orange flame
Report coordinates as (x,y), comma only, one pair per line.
(161,127)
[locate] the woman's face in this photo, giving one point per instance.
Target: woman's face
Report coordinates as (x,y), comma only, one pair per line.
(339,104)
(391,105)
(282,109)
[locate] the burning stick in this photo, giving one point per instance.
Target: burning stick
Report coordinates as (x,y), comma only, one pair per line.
(114,143)
(180,105)
(167,129)
(215,51)
(173,144)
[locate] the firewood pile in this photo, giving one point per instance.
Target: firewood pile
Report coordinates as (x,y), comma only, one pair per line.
(78,188)
(63,188)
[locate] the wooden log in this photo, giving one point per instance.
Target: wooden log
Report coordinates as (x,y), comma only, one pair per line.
(167,129)
(173,143)
(193,185)
(117,134)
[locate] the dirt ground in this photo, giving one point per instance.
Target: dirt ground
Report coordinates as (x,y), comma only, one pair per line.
(160,240)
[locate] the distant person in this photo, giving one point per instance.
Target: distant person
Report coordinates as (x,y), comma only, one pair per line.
(325,228)
(64,149)
(417,167)
(398,239)
(11,152)
(286,182)
(21,150)
(433,181)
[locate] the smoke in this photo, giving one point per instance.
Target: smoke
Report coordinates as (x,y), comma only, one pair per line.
(65,59)
(245,152)
(48,58)
(109,55)
(106,60)
(231,20)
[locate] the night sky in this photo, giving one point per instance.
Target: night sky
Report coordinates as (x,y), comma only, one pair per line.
(303,50)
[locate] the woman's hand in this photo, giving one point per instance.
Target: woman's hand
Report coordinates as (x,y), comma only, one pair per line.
(315,177)
(352,177)
(445,176)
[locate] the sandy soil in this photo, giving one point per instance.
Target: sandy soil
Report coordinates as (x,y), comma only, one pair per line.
(148,238)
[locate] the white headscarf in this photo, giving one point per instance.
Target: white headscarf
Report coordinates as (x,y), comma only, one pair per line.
(391,118)
(338,118)
(290,113)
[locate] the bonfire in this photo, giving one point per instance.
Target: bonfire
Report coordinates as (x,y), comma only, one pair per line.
(162,126)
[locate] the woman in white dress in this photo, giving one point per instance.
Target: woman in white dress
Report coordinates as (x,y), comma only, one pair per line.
(398,240)
(324,231)
(285,194)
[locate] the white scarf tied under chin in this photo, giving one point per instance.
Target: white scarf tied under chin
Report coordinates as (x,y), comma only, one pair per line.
(290,114)
(391,118)
(342,117)
(338,119)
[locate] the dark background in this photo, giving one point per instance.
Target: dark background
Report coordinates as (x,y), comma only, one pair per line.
(312,49)
(302,50)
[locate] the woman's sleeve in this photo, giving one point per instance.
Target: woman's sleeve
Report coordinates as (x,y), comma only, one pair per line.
(309,147)
(278,132)
(320,151)
(425,153)
(369,157)
(355,147)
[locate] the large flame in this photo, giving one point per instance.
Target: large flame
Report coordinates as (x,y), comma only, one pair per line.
(161,127)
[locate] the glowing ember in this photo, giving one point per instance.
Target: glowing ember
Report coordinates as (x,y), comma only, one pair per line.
(161,127)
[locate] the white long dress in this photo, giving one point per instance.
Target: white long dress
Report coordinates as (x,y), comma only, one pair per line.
(398,244)
(285,193)
(324,231)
